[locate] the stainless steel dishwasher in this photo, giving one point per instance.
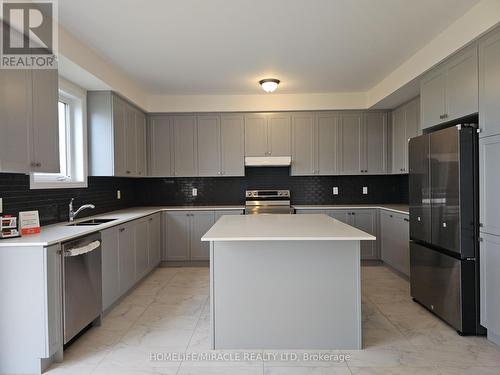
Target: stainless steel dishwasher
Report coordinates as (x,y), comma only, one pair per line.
(82,297)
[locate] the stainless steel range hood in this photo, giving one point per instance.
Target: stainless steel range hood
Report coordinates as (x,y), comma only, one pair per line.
(268,161)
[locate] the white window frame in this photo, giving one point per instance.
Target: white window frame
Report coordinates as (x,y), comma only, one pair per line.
(76,99)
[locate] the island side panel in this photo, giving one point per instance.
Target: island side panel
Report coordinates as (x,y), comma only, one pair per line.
(286,295)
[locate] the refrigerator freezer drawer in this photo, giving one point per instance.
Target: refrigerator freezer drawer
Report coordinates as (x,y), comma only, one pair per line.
(436,283)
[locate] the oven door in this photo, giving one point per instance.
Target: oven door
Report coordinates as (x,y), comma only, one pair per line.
(253,210)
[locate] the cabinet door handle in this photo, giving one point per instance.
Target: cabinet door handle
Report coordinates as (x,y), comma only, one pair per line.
(150,219)
(33,164)
(407,220)
(128,172)
(121,230)
(38,164)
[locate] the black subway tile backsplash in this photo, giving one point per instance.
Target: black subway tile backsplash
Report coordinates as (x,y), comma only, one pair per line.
(304,190)
(101,191)
(53,203)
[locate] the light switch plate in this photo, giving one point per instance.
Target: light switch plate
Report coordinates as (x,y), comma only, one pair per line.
(195,192)
(1,205)
(335,190)
(365,190)
(118,194)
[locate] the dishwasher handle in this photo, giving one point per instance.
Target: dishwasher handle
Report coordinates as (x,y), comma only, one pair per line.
(73,252)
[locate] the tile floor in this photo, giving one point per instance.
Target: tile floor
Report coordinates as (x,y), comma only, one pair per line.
(169,312)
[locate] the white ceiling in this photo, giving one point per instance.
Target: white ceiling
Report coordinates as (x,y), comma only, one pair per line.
(174,47)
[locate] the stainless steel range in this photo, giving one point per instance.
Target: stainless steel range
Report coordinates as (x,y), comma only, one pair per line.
(268,202)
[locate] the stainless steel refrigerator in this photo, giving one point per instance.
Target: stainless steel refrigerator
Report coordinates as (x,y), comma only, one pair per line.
(444,232)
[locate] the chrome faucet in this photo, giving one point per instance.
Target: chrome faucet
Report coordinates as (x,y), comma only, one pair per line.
(72,214)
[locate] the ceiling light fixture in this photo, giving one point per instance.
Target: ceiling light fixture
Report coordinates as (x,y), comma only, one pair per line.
(269,84)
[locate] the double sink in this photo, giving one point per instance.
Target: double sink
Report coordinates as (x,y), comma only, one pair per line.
(91,222)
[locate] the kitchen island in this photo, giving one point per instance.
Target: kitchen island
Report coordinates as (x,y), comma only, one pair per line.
(285,282)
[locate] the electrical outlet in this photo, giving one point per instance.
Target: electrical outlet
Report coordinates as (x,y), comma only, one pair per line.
(335,190)
(195,192)
(1,205)
(365,190)
(118,194)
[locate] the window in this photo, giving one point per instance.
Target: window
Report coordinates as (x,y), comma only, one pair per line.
(72,142)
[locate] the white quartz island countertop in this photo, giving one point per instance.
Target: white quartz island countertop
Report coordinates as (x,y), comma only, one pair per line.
(315,227)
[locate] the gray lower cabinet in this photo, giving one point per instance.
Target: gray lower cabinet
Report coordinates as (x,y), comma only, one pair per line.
(219,214)
(489,84)
(126,256)
(363,219)
(31,294)
(185,146)
(154,240)
(110,267)
(201,222)
(184,230)
(489,253)
(141,238)
(29,134)
(489,184)
(177,236)
(160,160)
(394,243)
(366,220)
(129,252)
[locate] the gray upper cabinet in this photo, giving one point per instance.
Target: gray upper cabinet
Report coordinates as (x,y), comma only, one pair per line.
(349,143)
(29,135)
(116,136)
(279,134)
(433,97)
(314,141)
(268,134)
(232,145)
(98,145)
(221,145)
(201,222)
(185,146)
(405,125)
(450,91)
(140,133)
(45,120)
(489,185)
(399,143)
(130,141)
(326,138)
(374,145)
(15,129)
(256,135)
(209,161)
(160,146)
(304,144)
(489,84)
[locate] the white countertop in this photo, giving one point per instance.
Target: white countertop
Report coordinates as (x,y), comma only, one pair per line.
(315,227)
(61,232)
(399,208)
